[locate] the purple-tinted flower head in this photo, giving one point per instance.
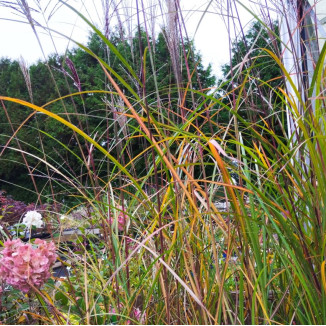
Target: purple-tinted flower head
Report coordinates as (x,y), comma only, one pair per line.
(74,75)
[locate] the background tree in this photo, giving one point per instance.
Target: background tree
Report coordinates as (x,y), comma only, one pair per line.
(253,76)
(250,63)
(97,114)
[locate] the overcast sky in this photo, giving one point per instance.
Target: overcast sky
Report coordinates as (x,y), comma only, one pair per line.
(17,38)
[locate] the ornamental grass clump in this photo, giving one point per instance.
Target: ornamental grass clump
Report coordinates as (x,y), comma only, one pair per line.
(26,265)
(224,189)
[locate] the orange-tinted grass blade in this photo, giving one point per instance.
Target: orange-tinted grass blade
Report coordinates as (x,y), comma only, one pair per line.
(227,180)
(323,278)
(147,132)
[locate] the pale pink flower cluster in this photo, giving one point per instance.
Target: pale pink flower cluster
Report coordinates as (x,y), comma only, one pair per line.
(24,264)
(122,219)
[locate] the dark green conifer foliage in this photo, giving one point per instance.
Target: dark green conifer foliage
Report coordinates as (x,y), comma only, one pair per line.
(90,112)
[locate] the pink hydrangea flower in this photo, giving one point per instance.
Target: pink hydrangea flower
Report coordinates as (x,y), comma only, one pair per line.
(122,219)
(23,264)
(136,314)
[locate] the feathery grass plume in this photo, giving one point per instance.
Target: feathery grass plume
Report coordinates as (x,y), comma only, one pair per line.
(24,68)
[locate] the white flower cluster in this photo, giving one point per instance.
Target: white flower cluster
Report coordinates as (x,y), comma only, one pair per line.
(33,218)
